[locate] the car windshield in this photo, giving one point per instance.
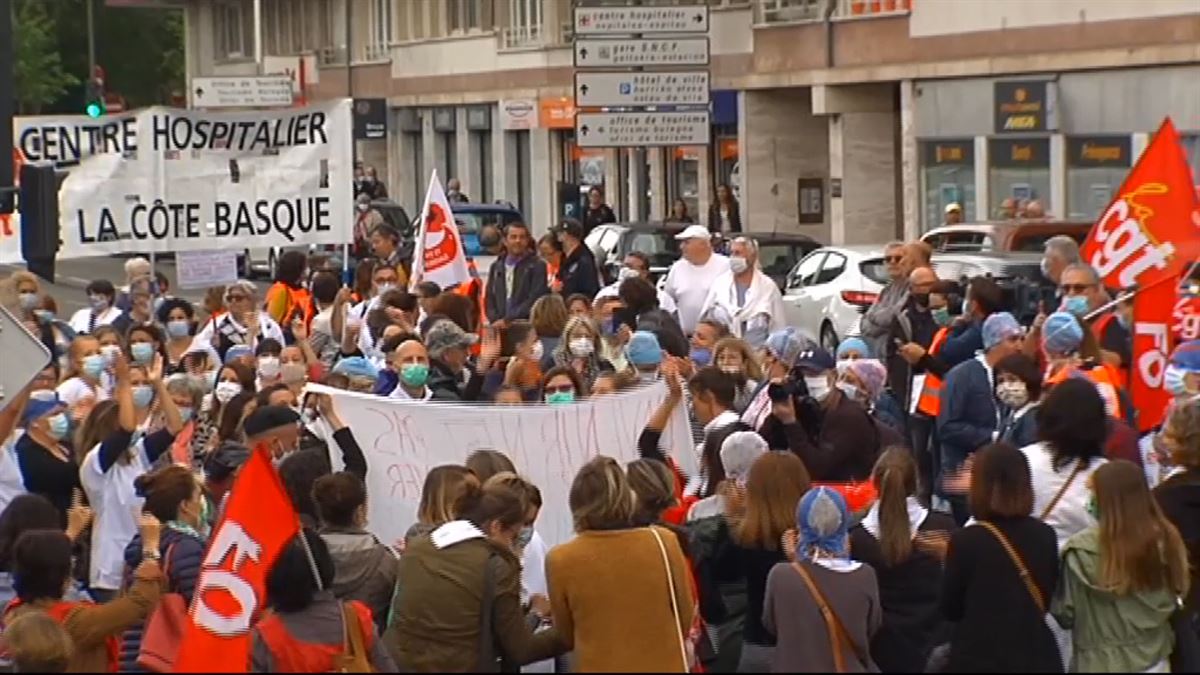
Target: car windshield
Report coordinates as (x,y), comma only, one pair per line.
(661,247)
(473,222)
(875,270)
(777,259)
(1036,243)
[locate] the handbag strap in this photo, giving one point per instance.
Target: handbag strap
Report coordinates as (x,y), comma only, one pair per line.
(487,663)
(838,636)
(354,646)
(1022,570)
(1062,490)
(674,601)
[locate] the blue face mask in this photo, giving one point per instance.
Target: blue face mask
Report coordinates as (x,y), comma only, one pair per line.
(941,316)
(60,426)
(560,397)
(524,537)
(93,366)
(1076,304)
(1174,381)
(143,394)
(142,352)
(179,328)
(186,414)
(701,356)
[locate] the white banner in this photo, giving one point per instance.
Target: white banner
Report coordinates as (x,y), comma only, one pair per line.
(10,239)
(403,440)
(168,180)
(445,259)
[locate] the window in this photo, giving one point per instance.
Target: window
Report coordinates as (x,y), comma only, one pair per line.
(524,23)
(482,142)
(806,270)
(233,21)
(380,37)
(464,16)
(947,177)
(834,265)
(1019,170)
(447,151)
(1096,165)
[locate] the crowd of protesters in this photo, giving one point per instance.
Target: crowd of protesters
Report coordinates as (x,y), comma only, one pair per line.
(949,490)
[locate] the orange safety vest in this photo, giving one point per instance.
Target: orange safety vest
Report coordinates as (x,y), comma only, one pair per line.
(1107,380)
(930,401)
(1098,327)
(292,655)
(298,300)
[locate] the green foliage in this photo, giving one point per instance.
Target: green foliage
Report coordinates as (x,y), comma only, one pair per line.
(40,76)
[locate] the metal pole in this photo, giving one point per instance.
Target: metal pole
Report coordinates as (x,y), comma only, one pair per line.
(258,41)
(91,37)
(7,108)
(347,279)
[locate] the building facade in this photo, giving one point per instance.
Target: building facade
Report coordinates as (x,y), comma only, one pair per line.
(853,121)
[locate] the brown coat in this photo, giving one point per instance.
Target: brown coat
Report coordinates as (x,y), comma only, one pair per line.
(90,626)
(609,596)
(436,611)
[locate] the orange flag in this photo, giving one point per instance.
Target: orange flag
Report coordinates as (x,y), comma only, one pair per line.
(1145,239)
(259,521)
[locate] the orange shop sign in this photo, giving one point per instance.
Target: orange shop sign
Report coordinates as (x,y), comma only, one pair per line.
(557,113)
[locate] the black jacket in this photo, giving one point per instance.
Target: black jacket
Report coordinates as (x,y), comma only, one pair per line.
(529,284)
(1179,498)
(840,444)
(597,216)
(446,386)
(666,329)
(577,272)
(714,218)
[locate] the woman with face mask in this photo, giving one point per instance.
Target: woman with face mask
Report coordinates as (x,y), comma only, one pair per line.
(178,317)
(1019,391)
(175,498)
(734,357)
(268,366)
(145,342)
(83,381)
(580,348)
(232,380)
(116,450)
(562,385)
(187,393)
(43,453)
(440,574)
(519,364)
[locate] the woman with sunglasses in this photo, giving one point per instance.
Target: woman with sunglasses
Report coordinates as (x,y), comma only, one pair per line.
(562,385)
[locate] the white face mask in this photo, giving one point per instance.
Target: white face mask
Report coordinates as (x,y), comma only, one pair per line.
(1012,394)
(537,351)
(627,273)
(818,387)
(226,391)
(581,347)
(268,367)
(738,264)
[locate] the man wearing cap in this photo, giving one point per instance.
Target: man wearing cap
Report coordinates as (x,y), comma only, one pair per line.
(276,427)
(577,273)
(517,280)
(969,415)
(449,350)
(954,214)
(691,277)
(749,300)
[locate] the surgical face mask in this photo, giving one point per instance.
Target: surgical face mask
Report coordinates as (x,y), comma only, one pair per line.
(28,301)
(1076,304)
(560,397)
(110,353)
(524,537)
(850,390)
(225,391)
(186,414)
(414,374)
(1092,508)
(941,316)
(293,373)
(818,387)
(701,356)
(731,370)
(537,351)
(268,367)
(363,207)
(43,315)
(645,376)
(738,264)
(1013,394)
(1175,382)
(842,365)
(93,366)
(59,426)
(143,394)
(581,347)
(142,352)
(178,328)
(627,273)
(99,303)
(384,288)
(1046,267)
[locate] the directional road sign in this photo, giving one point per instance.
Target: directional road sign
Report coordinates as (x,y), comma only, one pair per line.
(635,52)
(642,129)
(629,20)
(254,91)
(24,357)
(626,90)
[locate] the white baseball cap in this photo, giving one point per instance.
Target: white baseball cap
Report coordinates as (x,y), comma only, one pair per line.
(694,232)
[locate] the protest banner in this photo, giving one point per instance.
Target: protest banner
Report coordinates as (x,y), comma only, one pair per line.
(168,180)
(403,440)
(444,261)
(230,594)
(1145,240)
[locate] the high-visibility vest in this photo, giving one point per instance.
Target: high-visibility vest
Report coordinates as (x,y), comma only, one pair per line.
(1107,380)
(297,300)
(1098,327)
(930,401)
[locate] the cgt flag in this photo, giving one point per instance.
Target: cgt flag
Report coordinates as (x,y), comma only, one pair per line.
(444,260)
(259,521)
(1144,240)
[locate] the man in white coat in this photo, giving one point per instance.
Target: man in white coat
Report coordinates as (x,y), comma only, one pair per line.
(744,298)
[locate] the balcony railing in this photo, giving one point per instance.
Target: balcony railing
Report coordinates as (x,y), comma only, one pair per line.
(376,51)
(788,11)
(792,11)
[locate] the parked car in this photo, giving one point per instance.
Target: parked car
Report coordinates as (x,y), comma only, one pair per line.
(827,292)
(471,218)
(1004,235)
(778,253)
(610,244)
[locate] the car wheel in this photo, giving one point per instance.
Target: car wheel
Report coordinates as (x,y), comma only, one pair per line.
(829,339)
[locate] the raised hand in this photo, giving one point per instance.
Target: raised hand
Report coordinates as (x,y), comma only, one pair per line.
(79,515)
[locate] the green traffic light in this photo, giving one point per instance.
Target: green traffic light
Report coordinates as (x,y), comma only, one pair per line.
(94,110)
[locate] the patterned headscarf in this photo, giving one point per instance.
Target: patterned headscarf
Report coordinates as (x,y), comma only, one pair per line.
(871,373)
(822,521)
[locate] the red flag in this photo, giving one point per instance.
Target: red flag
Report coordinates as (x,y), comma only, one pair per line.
(1149,231)
(259,521)
(1152,317)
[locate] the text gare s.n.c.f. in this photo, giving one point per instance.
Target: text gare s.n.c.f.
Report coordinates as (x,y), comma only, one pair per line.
(68,142)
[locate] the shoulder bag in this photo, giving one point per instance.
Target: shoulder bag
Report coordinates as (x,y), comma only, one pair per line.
(165,628)
(687,656)
(1062,490)
(1022,570)
(838,637)
(353,658)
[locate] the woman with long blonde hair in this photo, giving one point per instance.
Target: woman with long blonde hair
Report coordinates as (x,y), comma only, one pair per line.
(1122,578)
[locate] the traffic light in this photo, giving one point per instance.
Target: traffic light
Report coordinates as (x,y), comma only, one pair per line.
(39,218)
(93,103)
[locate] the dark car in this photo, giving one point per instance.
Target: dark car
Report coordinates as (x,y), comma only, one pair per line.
(778,253)
(471,218)
(610,244)
(1019,276)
